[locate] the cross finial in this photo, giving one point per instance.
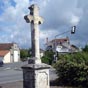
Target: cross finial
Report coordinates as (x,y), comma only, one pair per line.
(34,15)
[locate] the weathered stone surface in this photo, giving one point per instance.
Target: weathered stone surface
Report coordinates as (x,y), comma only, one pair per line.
(36,76)
(35,73)
(34,60)
(34,19)
(36,66)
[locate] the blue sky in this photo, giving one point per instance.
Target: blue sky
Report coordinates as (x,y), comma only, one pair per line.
(59,16)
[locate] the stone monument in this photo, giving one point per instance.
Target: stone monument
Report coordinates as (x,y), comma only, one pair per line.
(35,73)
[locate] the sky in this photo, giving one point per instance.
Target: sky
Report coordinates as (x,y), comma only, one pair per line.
(59,16)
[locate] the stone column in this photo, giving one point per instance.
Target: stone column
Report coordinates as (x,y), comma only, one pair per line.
(35,73)
(34,19)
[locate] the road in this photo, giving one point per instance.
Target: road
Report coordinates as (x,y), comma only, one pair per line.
(13,73)
(10,76)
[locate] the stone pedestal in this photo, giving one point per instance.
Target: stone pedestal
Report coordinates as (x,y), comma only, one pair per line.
(36,76)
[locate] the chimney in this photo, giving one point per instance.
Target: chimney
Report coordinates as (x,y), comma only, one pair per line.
(68,40)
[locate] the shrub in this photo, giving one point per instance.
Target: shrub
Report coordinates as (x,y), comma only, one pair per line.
(24,53)
(45,60)
(48,57)
(72,69)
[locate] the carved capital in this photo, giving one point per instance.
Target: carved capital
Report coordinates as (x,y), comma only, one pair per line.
(28,18)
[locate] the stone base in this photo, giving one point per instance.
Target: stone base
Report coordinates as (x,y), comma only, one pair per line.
(36,76)
(34,60)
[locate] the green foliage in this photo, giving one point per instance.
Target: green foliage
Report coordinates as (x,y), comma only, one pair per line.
(72,69)
(45,59)
(85,48)
(24,53)
(48,57)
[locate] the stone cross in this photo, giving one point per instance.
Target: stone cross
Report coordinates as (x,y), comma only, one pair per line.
(35,73)
(34,19)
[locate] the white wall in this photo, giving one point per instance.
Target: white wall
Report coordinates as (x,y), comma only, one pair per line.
(61,49)
(6,58)
(16,57)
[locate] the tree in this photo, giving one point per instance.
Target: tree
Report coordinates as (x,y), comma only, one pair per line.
(48,57)
(85,48)
(72,69)
(24,53)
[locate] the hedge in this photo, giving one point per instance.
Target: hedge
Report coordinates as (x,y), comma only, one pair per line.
(72,69)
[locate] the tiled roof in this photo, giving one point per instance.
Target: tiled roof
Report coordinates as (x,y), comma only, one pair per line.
(5,46)
(60,40)
(73,46)
(3,52)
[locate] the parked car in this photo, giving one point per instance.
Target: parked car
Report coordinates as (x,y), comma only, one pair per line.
(1,63)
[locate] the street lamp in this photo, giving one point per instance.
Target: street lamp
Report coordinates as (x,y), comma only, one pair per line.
(72,31)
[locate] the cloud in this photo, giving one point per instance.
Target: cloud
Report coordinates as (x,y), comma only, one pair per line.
(61,12)
(74,20)
(12,22)
(59,16)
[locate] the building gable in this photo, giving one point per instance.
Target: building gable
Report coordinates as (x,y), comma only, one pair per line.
(5,46)
(3,52)
(10,52)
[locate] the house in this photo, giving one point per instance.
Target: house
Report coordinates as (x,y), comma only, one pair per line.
(58,44)
(75,48)
(61,45)
(9,52)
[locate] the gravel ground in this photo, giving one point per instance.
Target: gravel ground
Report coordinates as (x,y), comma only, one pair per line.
(20,85)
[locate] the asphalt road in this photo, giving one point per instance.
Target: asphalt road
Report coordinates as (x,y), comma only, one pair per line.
(13,73)
(10,76)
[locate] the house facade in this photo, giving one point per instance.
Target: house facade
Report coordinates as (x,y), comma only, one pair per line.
(61,45)
(9,52)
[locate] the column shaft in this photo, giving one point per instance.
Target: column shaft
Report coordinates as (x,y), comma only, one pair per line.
(35,40)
